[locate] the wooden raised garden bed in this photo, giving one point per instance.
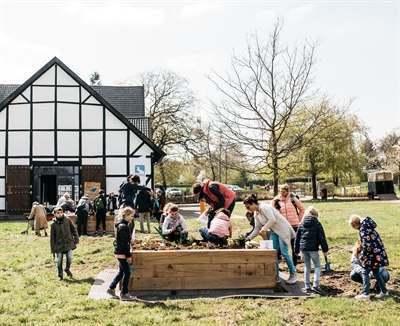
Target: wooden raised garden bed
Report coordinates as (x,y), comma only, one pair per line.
(203,269)
(91,224)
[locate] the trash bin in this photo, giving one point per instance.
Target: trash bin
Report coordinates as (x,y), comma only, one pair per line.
(251,186)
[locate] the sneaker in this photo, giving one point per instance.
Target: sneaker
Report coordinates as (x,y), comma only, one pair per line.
(317,289)
(278,279)
(127,297)
(362,296)
(45,234)
(60,278)
(68,272)
(292,279)
(95,233)
(112,293)
(307,290)
(382,295)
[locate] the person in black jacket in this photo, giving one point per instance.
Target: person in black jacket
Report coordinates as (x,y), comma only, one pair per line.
(101,211)
(143,205)
(122,251)
(128,190)
(111,203)
(310,235)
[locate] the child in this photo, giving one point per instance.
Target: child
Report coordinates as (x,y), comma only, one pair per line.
(174,227)
(122,251)
(357,269)
(165,214)
(250,218)
(220,227)
(372,255)
(310,235)
(63,239)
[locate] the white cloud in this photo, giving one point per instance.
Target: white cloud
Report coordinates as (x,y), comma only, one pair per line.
(266,15)
(21,59)
(299,12)
(197,9)
(122,14)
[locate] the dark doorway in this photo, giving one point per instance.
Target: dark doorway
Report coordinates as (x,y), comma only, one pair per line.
(48,186)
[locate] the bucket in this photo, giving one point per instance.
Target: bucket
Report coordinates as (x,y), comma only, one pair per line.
(266,244)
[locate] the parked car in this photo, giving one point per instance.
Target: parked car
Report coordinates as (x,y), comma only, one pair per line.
(172,192)
(235,187)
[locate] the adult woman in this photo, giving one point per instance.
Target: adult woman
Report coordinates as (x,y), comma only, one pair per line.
(281,231)
(38,213)
(216,195)
(292,209)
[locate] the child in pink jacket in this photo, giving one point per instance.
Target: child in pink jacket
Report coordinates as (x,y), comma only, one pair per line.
(220,227)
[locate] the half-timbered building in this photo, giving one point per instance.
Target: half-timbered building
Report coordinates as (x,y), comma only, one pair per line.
(58,134)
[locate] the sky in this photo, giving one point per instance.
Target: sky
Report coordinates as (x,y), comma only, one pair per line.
(358,55)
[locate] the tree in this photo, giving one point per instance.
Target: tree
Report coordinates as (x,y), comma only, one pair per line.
(169,103)
(264,97)
(95,79)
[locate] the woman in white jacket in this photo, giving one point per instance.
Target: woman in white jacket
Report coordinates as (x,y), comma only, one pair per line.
(268,218)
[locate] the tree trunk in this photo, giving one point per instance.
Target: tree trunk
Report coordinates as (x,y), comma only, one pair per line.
(314,185)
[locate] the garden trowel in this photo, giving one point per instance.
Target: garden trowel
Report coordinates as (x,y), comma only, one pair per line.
(327,265)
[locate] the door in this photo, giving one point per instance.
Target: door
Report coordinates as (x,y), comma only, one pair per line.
(18,189)
(48,185)
(93,173)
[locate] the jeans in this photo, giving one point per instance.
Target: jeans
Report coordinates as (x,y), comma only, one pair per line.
(82,221)
(279,243)
(313,256)
(294,256)
(210,237)
(357,277)
(60,255)
(367,282)
(124,273)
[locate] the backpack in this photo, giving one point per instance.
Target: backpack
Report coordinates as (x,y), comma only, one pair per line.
(81,205)
(278,207)
(98,203)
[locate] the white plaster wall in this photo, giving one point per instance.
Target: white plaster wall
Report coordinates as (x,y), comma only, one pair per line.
(20,99)
(3,120)
(47,78)
(43,94)
(68,94)
(2,168)
(134,142)
(43,143)
(92,100)
(2,187)
(92,117)
(92,143)
(68,143)
(140,161)
(2,203)
(116,165)
(84,94)
(20,161)
(115,142)
(63,78)
(2,143)
(27,93)
(43,116)
(19,116)
(112,122)
(92,161)
(112,184)
(67,116)
(18,143)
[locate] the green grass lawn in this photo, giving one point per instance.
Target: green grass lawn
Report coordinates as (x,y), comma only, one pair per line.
(30,293)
